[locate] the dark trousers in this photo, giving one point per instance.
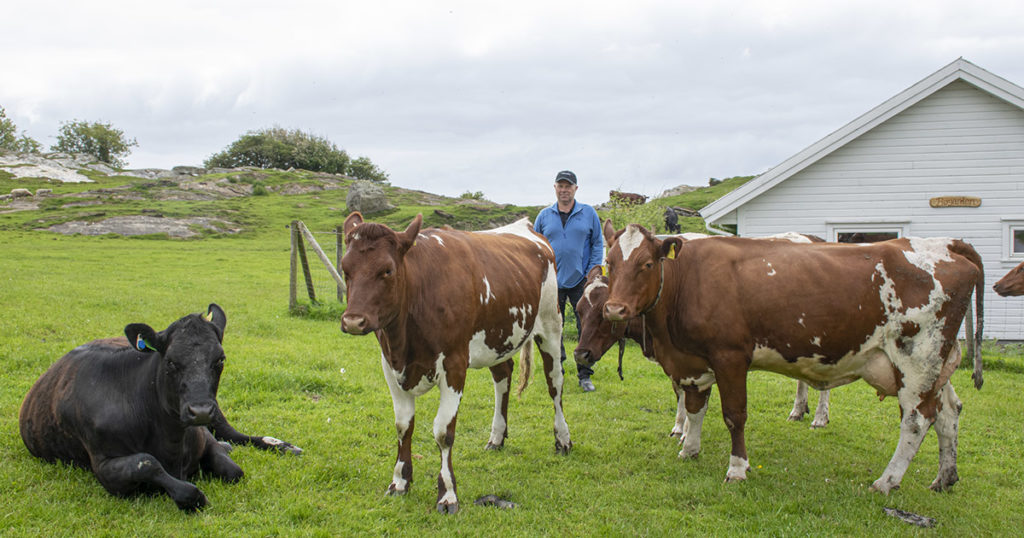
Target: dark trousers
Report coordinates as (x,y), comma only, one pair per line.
(573,295)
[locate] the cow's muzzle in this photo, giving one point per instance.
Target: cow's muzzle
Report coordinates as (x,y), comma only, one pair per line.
(199,414)
(615,312)
(355,324)
(584,357)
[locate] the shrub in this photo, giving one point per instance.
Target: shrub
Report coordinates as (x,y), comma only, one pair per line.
(101,140)
(9,139)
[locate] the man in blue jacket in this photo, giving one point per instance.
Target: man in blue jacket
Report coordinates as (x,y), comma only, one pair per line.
(574,231)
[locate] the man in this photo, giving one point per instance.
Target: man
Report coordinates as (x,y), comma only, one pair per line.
(574,231)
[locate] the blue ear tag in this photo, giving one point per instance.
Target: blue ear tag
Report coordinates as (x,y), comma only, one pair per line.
(140,344)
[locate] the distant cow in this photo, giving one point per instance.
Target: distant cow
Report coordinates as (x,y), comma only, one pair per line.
(626,197)
(442,301)
(671,221)
(825,313)
(136,411)
(1012,283)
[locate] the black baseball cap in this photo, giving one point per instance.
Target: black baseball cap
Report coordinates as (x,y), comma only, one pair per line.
(566,175)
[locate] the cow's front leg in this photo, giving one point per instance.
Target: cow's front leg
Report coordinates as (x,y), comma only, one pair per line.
(679,427)
(215,459)
(731,374)
(224,431)
(502,375)
(404,404)
(695,403)
(124,475)
(444,433)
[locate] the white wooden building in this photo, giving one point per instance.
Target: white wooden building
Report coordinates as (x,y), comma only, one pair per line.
(943,158)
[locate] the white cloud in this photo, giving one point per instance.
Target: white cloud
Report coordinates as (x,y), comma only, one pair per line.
(491,96)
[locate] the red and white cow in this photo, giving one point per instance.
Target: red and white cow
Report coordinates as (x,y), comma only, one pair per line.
(598,335)
(442,301)
(825,313)
(1012,283)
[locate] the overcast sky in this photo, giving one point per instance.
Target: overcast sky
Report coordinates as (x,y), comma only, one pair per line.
(459,96)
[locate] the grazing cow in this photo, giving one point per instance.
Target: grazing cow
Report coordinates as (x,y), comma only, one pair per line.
(1012,283)
(136,411)
(825,313)
(598,335)
(627,198)
(442,301)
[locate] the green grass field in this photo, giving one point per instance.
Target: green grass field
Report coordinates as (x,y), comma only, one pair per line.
(302,380)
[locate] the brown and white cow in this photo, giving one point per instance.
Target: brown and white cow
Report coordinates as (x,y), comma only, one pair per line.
(1012,283)
(442,301)
(825,313)
(598,335)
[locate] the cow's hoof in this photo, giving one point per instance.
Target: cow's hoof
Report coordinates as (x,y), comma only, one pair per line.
(271,443)
(883,486)
(193,501)
(563,448)
(945,481)
(817,424)
(676,433)
(393,491)
(492,446)
(689,454)
(448,508)
(734,478)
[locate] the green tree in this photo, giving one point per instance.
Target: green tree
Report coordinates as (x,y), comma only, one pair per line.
(10,140)
(101,140)
(363,168)
(282,148)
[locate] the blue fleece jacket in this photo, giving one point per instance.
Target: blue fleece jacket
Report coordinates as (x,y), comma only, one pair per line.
(578,245)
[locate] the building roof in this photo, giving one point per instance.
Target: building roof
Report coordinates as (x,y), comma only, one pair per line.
(959,69)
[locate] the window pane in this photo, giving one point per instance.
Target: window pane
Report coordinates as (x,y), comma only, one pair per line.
(873,237)
(1018,241)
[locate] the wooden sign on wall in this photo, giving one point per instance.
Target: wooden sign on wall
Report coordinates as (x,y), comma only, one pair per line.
(955,201)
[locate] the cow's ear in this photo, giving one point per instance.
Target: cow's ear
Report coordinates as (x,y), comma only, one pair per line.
(354,219)
(594,272)
(670,247)
(215,315)
(407,238)
(609,233)
(143,338)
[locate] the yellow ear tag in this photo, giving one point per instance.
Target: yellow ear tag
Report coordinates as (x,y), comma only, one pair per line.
(208,316)
(604,270)
(672,251)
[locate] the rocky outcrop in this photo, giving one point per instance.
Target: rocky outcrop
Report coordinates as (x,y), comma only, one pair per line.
(367,198)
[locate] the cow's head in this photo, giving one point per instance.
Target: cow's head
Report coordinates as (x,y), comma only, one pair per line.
(635,273)
(191,361)
(374,269)
(1012,284)
(597,335)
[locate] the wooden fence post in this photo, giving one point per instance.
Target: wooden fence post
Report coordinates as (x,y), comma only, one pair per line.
(292,285)
(305,265)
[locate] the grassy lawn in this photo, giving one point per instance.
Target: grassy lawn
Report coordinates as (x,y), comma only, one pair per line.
(304,381)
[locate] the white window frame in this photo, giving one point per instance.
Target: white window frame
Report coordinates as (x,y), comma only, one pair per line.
(833,229)
(1011,225)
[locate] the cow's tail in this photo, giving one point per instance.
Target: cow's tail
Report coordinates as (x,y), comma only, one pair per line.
(965,249)
(525,366)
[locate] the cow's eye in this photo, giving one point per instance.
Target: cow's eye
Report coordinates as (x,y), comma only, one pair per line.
(648,265)
(386,273)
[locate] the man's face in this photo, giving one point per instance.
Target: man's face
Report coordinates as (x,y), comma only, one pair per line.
(565,191)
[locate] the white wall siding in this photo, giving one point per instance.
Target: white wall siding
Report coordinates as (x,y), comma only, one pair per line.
(958,141)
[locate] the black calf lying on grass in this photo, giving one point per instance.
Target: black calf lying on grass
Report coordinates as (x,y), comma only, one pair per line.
(138,412)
